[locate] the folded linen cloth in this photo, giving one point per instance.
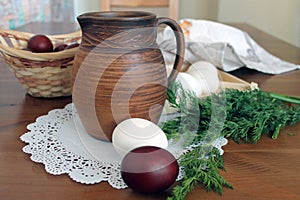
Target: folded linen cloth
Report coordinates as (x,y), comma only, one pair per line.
(226,47)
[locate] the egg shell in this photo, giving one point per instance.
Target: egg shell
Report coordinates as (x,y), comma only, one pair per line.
(188,82)
(207,76)
(136,132)
(40,44)
(149,169)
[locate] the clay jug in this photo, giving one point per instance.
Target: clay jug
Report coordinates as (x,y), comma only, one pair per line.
(119,71)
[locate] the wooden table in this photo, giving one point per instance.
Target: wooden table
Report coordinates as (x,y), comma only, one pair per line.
(269,169)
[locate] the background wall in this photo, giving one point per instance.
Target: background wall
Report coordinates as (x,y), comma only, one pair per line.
(277,17)
(280,18)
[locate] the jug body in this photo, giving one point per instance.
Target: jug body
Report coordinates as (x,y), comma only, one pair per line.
(118,71)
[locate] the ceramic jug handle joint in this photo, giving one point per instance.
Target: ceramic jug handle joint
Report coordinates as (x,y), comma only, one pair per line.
(179,58)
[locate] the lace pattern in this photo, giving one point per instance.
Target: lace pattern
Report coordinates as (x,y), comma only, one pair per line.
(58,140)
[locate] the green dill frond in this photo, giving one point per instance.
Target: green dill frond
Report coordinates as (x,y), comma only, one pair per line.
(200,172)
(243,116)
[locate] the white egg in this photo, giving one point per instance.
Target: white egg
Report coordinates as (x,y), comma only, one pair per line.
(207,76)
(188,82)
(137,132)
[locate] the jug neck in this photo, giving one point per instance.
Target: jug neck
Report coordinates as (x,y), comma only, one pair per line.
(118,29)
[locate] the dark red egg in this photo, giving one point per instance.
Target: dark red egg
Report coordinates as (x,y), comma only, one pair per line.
(40,44)
(73,45)
(149,169)
(60,47)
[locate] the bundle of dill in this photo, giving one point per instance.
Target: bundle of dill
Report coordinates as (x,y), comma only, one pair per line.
(243,116)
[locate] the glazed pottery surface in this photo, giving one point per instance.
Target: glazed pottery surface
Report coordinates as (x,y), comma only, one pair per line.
(119,71)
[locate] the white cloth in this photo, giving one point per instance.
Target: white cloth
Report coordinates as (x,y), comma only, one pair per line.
(226,47)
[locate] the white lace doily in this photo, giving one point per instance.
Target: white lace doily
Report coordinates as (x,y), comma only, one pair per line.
(59,141)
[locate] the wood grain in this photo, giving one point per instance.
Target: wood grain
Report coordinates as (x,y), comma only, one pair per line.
(173,5)
(119,71)
(268,170)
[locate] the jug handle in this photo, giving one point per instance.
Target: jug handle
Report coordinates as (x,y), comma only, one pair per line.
(179,58)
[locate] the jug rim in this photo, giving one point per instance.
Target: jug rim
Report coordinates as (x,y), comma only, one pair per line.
(118,15)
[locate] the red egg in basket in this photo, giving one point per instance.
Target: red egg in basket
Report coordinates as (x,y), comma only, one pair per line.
(40,44)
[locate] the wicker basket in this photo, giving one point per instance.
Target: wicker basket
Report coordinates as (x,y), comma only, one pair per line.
(41,74)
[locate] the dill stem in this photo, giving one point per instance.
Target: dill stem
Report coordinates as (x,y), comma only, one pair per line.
(276,132)
(286,98)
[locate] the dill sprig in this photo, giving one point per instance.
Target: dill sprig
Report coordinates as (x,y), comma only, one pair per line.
(243,116)
(200,172)
(253,113)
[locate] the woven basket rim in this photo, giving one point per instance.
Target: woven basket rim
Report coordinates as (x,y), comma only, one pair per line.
(28,35)
(15,52)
